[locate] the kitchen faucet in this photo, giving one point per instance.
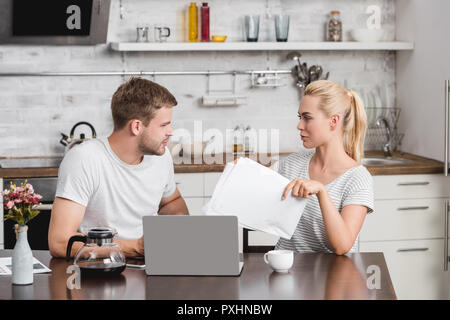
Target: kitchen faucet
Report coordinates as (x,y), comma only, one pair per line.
(387,149)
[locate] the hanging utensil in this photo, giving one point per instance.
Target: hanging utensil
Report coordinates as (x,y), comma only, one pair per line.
(319,72)
(312,74)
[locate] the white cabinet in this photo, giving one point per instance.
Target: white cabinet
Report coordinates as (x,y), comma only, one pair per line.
(410,186)
(191,187)
(408,227)
(190,184)
(415,267)
(423,102)
(420,74)
(211,179)
(404,219)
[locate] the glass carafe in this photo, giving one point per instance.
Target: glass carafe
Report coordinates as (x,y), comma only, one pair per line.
(99,255)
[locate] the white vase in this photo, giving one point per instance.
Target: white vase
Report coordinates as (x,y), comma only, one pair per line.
(22,259)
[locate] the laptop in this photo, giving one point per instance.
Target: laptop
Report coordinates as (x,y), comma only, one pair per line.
(191,245)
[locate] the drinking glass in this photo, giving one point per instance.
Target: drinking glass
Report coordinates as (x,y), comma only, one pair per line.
(281,27)
(142,34)
(252,27)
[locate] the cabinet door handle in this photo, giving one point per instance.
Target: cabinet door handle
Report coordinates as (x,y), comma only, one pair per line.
(420,183)
(446,107)
(413,208)
(446,236)
(411,249)
(177,183)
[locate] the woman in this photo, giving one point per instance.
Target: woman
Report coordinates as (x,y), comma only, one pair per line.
(338,188)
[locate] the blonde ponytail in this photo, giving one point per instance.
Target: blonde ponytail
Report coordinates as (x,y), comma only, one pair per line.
(336,99)
(355,135)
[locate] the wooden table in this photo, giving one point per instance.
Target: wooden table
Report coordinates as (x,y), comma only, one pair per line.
(313,276)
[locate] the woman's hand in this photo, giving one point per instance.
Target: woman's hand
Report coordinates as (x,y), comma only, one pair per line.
(303,188)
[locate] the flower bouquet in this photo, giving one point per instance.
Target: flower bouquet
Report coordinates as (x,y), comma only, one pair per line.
(21,204)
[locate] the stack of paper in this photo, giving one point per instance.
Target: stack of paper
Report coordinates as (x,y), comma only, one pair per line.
(6,266)
(253,193)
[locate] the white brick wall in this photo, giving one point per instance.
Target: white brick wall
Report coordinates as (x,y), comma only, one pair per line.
(34,110)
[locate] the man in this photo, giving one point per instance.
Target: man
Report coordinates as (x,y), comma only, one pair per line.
(113,182)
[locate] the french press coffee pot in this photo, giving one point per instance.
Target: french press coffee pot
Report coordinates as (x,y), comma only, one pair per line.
(100,255)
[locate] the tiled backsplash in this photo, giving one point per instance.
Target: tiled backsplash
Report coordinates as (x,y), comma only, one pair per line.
(34,110)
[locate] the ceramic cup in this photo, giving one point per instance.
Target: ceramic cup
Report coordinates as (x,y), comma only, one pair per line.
(161,33)
(279,260)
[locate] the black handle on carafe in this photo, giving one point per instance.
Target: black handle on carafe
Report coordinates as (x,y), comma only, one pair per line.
(70,243)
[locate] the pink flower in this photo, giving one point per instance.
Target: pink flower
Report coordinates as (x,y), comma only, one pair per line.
(10,204)
(5,192)
(18,200)
(38,196)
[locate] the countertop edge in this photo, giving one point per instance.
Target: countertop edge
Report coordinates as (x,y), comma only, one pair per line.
(421,165)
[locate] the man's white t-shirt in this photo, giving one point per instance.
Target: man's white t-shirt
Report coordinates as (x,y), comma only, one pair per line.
(114,193)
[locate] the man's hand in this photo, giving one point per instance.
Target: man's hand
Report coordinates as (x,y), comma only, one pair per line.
(303,188)
(140,246)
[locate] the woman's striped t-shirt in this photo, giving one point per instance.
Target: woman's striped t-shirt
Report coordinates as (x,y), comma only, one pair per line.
(355,186)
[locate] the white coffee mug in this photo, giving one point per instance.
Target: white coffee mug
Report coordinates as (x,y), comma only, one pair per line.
(279,260)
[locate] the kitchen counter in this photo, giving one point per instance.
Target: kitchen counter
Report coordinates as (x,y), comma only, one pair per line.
(313,276)
(419,165)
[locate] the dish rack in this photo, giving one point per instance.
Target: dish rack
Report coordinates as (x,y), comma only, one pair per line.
(377,136)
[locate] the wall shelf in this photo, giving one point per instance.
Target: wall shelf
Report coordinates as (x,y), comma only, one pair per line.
(260,46)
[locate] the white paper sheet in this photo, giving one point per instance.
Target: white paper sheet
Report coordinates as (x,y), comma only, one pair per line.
(253,193)
(6,268)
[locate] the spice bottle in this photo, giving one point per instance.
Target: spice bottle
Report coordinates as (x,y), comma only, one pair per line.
(334,27)
(238,136)
(205,21)
(193,22)
(248,147)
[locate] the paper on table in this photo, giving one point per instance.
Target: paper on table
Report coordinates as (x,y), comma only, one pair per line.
(6,268)
(253,193)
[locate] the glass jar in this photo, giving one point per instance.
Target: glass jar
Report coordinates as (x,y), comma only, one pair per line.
(248,141)
(193,22)
(334,27)
(205,21)
(238,139)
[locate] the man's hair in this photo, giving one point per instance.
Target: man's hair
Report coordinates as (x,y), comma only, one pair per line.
(139,99)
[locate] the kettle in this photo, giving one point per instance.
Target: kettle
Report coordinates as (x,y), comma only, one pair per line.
(69,144)
(99,256)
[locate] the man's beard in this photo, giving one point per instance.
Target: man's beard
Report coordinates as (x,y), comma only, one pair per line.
(151,147)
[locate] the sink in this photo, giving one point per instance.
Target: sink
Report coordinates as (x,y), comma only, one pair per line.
(388,161)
